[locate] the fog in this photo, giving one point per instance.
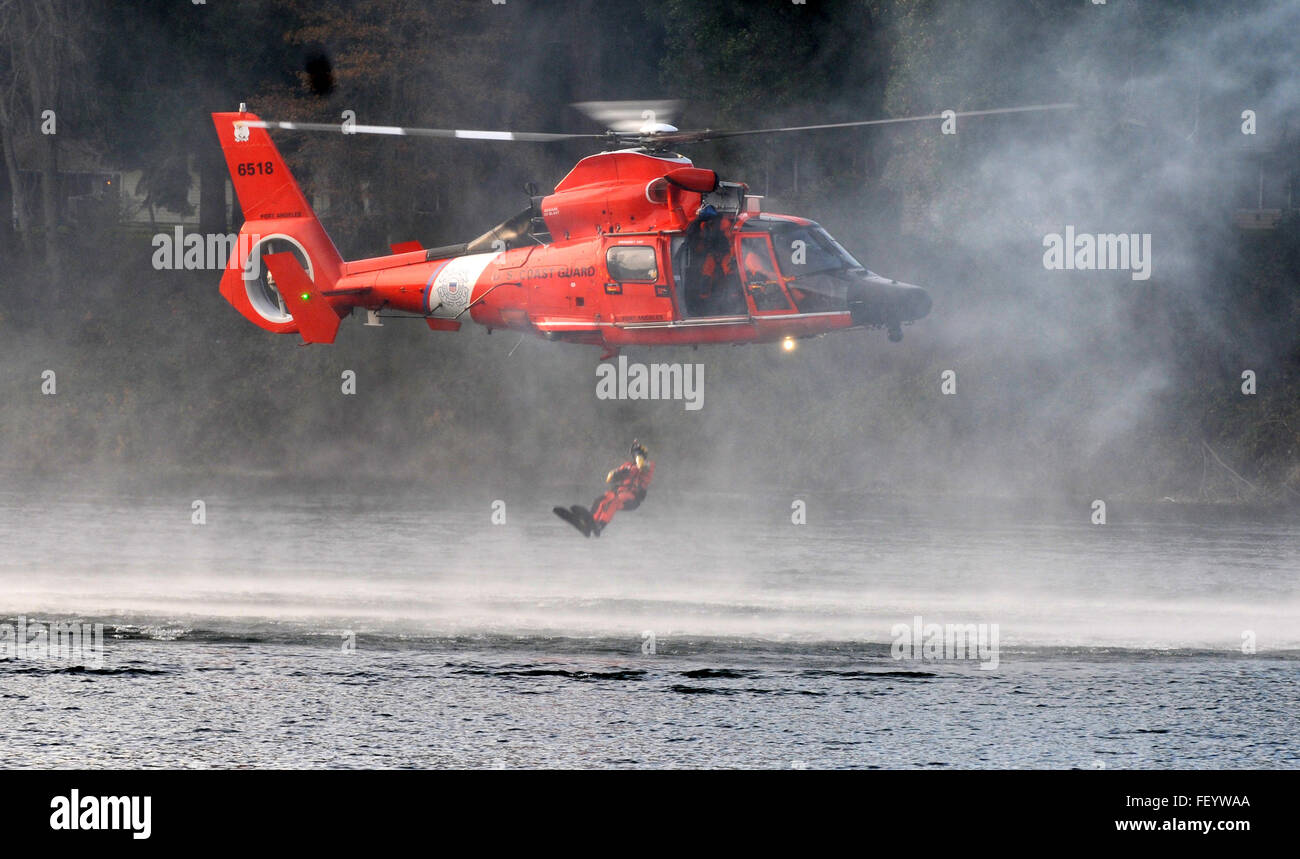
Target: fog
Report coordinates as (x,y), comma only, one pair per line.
(1070,385)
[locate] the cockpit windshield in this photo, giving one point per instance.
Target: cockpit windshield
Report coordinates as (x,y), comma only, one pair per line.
(803,251)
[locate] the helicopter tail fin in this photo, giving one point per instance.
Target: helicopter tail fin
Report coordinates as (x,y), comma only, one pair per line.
(278,223)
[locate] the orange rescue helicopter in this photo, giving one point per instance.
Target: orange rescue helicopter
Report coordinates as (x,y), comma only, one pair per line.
(635,247)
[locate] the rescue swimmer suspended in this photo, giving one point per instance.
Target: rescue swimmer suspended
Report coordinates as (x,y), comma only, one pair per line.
(628,484)
(635,247)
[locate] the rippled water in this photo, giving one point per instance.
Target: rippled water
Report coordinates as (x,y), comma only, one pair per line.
(368,630)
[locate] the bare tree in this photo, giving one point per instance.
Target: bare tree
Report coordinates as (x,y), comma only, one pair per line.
(40,46)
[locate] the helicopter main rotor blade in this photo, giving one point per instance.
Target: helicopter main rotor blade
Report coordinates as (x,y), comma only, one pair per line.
(650,140)
(402,131)
(708,134)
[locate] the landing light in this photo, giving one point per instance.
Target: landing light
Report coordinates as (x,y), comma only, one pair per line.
(789,344)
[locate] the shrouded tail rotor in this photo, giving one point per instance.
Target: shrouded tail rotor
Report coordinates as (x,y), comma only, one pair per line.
(278,222)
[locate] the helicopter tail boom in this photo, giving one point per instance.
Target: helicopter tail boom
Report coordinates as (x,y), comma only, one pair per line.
(279,225)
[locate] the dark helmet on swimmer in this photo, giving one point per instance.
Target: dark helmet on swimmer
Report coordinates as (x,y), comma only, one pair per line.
(638,452)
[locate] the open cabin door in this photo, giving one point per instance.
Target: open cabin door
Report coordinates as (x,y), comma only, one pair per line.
(707,279)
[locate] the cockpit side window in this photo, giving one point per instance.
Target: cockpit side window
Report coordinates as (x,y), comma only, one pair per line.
(761,282)
(816,268)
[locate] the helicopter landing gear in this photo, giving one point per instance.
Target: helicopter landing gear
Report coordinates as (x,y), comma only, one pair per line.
(895,332)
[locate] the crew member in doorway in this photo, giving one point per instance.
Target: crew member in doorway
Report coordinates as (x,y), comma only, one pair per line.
(712,282)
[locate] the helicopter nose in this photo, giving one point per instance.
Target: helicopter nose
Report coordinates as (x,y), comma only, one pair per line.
(874,300)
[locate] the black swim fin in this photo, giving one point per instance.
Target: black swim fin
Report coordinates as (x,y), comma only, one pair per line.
(593,526)
(579,522)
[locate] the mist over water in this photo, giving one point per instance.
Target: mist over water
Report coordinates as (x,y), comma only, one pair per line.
(736,568)
(375,629)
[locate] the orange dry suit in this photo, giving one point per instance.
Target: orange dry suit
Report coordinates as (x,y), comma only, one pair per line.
(628,485)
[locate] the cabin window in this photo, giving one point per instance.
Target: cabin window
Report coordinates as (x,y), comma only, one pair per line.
(632,263)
